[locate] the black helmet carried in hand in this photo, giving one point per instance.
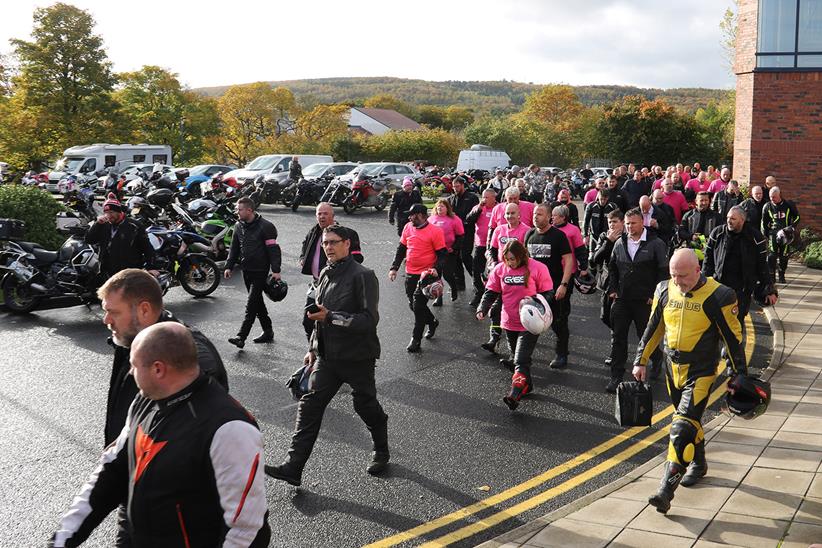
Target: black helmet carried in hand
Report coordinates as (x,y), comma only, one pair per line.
(275,289)
(585,284)
(747,397)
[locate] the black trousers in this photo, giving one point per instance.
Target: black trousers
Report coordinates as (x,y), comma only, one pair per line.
(255,306)
(624,312)
(418,304)
(452,266)
(777,255)
(466,260)
(326,380)
(478,261)
(522,345)
(561,310)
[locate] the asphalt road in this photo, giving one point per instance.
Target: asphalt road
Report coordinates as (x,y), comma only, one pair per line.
(453,441)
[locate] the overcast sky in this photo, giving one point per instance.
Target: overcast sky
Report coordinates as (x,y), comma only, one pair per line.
(646,43)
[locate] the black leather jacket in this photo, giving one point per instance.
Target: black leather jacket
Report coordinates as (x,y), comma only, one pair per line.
(351,293)
(254,246)
(122,388)
(311,241)
(122,246)
(754,254)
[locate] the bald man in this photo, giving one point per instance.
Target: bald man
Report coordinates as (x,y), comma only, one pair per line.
(692,314)
(189,462)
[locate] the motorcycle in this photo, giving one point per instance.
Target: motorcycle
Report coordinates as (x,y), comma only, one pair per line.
(336,192)
(269,190)
(194,272)
(33,277)
(310,191)
(217,225)
(366,192)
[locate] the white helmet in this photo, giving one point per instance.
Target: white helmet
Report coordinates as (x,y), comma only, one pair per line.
(785,236)
(157,168)
(535,314)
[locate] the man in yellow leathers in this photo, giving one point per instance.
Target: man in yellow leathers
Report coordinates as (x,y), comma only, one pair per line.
(696,315)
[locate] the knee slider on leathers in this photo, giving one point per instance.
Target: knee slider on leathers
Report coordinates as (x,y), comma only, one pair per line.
(683,439)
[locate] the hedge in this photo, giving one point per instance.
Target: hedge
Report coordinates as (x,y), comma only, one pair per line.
(813,255)
(35,207)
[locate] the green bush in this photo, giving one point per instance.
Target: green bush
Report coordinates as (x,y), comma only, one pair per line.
(813,255)
(432,192)
(35,207)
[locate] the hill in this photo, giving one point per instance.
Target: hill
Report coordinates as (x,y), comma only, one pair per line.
(496,97)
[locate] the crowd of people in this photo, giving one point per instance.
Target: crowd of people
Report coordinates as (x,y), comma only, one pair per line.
(185,461)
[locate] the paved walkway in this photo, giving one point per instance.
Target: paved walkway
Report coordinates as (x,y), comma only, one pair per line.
(764,482)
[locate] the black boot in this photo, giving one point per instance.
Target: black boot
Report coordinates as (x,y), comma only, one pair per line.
(670,480)
(413,346)
(491,345)
(286,472)
(438,301)
(432,328)
(380,455)
(379,462)
(782,276)
(264,337)
(476,300)
(237,341)
(698,467)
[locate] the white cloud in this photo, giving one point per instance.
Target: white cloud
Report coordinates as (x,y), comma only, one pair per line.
(633,42)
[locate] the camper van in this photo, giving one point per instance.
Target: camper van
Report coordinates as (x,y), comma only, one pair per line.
(84,159)
(482,157)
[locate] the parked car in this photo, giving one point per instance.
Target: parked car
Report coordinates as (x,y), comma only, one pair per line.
(602,171)
(394,172)
(315,171)
(271,164)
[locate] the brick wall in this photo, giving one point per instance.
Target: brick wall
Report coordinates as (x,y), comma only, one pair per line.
(778,124)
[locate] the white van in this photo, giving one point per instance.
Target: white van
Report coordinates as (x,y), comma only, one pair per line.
(274,163)
(84,159)
(482,157)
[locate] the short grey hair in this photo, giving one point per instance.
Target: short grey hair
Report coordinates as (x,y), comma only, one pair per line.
(739,211)
(562,211)
(511,192)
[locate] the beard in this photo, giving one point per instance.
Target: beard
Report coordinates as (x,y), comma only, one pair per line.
(125,338)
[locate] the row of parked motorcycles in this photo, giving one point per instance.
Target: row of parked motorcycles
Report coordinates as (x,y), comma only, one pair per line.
(189,234)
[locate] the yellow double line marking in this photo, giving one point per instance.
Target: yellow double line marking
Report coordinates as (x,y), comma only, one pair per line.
(545,496)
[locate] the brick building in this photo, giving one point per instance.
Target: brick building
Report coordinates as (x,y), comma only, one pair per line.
(779,100)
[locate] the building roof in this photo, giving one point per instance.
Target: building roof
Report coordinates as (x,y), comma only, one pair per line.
(390,118)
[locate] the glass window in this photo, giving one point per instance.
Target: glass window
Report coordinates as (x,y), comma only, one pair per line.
(139,158)
(810,61)
(110,161)
(810,26)
(89,166)
(162,158)
(777,26)
(775,61)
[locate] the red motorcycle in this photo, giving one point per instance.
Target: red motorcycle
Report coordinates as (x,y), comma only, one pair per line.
(366,192)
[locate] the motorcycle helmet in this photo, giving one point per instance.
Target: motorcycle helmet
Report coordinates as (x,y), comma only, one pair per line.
(785,236)
(157,168)
(160,196)
(585,284)
(761,292)
(135,201)
(535,314)
(747,397)
(297,383)
(431,285)
(275,289)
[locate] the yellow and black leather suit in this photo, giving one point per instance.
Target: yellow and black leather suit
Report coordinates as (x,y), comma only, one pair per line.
(694,326)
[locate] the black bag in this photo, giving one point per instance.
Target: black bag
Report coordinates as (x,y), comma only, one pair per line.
(297,383)
(634,404)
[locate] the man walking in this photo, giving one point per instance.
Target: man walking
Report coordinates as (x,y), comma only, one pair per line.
(779,222)
(254,246)
(480,219)
(549,245)
(638,263)
(692,315)
(344,348)
(188,464)
(401,203)
(422,247)
(700,221)
(725,200)
(753,207)
(312,257)
(462,202)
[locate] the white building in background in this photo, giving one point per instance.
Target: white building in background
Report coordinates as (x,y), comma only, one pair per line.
(376,121)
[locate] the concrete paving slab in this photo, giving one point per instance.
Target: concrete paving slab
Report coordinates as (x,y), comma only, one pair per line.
(745,530)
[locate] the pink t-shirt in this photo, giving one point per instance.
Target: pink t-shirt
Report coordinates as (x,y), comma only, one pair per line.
(510,282)
(696,186)
(526,214)
(590,196)
(574,235)
(685,176)
(503,233)
(422,244)
(657,184)
(717,185)
(677,202)
(481,233)
(451,227)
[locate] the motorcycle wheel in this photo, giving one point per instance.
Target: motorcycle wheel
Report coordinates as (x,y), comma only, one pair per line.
(382,203)
(295,204)
(201,278)
(18,299)
(348,206)
(256,197)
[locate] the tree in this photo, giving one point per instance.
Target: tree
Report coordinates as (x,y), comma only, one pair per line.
(727,27)
(639,130)
(161,111)
(715,124)
(65,71)
(434,145)
(387,101)
(252,116)
(556,106)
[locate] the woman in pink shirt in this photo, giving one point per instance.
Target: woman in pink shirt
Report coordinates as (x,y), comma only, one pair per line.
(515,278)
(452,229)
